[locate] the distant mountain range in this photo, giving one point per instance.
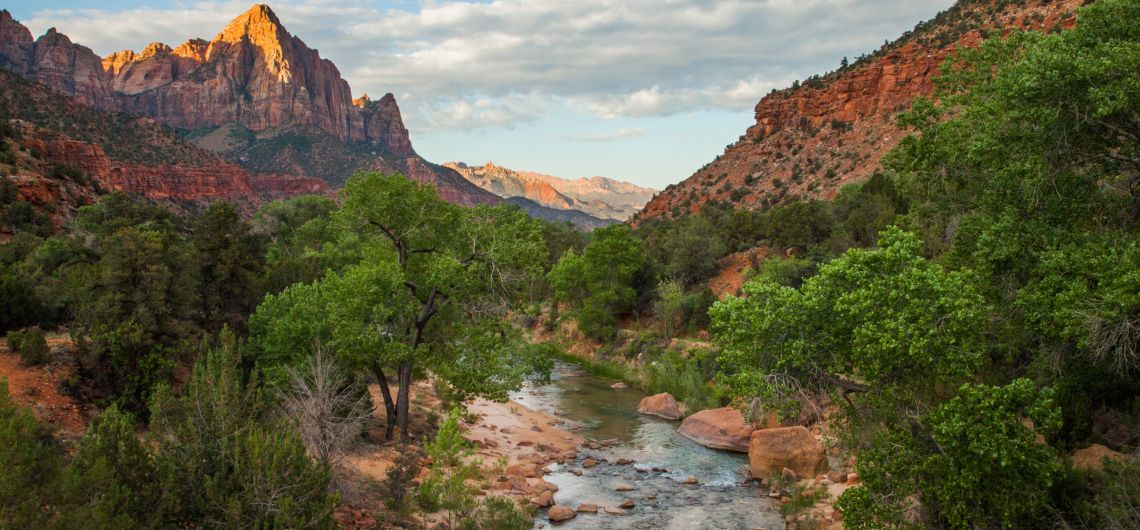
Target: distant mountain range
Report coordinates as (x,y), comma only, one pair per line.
(600,197)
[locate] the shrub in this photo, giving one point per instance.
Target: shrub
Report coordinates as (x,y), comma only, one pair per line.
(31,344)
(398,483)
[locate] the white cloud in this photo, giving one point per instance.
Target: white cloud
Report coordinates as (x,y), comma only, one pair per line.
(476,65)
(607,136)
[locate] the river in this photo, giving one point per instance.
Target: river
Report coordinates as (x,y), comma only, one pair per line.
(723,499)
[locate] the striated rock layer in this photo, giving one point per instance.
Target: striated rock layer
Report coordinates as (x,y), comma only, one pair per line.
(179,186)
(810,140)
(252,75)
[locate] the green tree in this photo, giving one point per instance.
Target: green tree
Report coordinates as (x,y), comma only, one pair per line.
(598,283)
(669,304)
(222,462)
(30,467)
(430,292)
(885,324)
(227,264)
(977,461)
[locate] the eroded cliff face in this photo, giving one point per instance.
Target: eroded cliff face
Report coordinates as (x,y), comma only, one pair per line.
(178,186)
(252,76)
(809,141)
(253,73)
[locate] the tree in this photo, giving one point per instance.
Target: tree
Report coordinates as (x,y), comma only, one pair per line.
(670,299)
(598,283)
(886,324)
(430,292)
(30,466)
(1027,171)
(227,264)
(977,461)
(222,462)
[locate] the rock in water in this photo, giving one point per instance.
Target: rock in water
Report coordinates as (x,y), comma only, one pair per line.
(663,405)
(772,450)
(560,513)
(722,428)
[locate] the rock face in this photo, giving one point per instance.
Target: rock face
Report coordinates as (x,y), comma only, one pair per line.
(810,140)
(178,186)
(722,428)
(559,513)
(598,196)
(252,75)
(1093,457)
(770,451)
(663,405)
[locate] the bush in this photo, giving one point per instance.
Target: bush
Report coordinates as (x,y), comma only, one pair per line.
(398,484)
(31,344)
(974,462)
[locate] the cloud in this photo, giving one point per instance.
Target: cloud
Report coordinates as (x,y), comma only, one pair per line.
(608,136)
(496,64)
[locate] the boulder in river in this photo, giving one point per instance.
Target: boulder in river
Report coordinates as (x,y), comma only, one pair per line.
(772,450)
(587,507)
(560,513)
(722,428)
(663,405)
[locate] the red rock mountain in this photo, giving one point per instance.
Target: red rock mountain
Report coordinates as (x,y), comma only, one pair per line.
(597,196)
(810,140)
(290,109)
(64,152)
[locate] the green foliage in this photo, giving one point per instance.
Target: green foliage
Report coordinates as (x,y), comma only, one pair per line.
(886,323)
(228,261)
(22,216)
(686,378)
(598,283)
(31,344)
(695,310)
(116,473)
(668,306)
(220,461)
(30,466)
(398,482)
(302,241)
(974,462)
(432,286)
(447,486)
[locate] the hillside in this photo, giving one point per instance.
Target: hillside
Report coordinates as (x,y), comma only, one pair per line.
(599,197)
(811,139)
(61,153)
(287,109)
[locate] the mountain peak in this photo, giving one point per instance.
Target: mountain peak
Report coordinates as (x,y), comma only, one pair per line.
(258,24)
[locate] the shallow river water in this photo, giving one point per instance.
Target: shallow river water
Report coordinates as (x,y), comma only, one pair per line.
(723,499)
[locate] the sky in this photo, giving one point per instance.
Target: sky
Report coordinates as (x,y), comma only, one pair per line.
(646,91)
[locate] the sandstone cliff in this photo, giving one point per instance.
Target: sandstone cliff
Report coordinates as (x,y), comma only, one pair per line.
(294,110)
(810,140)
(597,196)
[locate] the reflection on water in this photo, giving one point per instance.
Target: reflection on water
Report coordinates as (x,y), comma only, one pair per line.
(723,499)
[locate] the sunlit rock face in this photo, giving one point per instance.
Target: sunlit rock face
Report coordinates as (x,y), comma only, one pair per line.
(253,76)
(810,140)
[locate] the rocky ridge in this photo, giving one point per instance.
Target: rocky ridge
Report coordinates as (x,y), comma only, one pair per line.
(599,197)
(810,140)
(293,112)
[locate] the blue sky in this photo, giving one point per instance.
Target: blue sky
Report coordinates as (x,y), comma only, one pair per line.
(641,90)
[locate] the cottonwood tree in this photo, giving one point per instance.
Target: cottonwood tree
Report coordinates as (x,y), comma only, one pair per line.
(430,293)
(886,324)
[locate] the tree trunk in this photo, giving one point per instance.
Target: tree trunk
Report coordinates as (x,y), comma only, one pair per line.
(402,399)
(389,404)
